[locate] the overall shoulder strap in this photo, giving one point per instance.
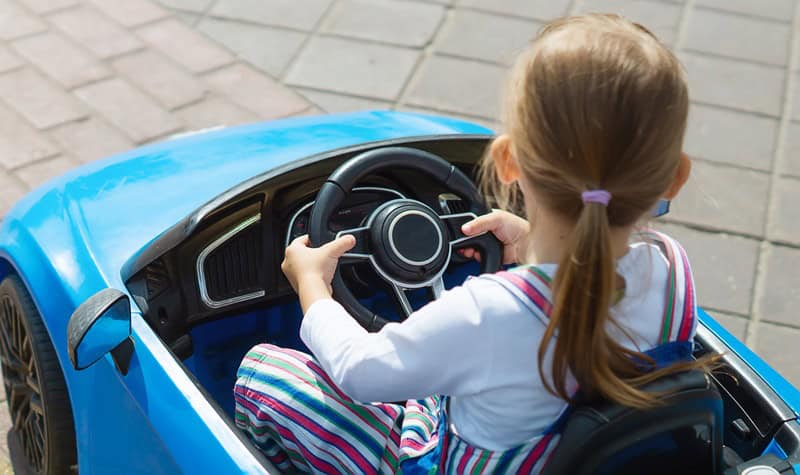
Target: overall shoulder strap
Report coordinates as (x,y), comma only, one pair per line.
(530,285)
(680,312)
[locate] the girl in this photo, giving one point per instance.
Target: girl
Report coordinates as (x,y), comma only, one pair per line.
(596,116)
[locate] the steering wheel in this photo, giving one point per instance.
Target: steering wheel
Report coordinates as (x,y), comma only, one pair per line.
(406,242)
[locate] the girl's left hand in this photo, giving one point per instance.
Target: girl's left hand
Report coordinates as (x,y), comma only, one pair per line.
(310,270)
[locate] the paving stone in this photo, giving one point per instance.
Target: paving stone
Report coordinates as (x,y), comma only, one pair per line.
(478,35)
(38,100)
(16,22)
(352,67)
(740,37)
(138,116)
(776,344)
(185,46)
(45,6)
(777,9)
(214,112)
(298,14)
(333,103)
(131,12)
(11,190)
(733,323)
(780,301)
(736,84)
(168,83)
(716,134)
(252,90)
(197,6)
(37,173)
(723,198)
(61,59)
(90,139)
(190,19)
(790,162)
(247,41)
(659,17)
(536,9)
(723,266)
(795,112)
(785,219)
(20,143)
(8,60)
(403,23)
(96,32)
(477,90)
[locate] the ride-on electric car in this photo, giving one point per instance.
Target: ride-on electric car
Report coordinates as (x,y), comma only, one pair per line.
(133,286)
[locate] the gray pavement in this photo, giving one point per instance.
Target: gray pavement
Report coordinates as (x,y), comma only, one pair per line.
(81,79)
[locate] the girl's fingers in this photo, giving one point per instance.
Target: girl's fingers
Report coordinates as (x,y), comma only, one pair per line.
(300,241)
(486,222)
(339,246)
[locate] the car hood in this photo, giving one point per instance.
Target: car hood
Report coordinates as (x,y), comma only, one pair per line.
(118,205)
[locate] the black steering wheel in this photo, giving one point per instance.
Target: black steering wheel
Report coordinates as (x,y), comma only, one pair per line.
(406,242)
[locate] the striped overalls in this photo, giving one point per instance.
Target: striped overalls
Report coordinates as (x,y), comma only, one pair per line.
(298,417)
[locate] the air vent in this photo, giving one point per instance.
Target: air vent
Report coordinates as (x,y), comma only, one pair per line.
(229,269)
(156,278)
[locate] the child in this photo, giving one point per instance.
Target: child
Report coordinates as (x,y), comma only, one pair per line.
(596,116)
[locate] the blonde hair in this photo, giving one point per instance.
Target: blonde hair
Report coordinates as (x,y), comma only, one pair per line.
(595,102)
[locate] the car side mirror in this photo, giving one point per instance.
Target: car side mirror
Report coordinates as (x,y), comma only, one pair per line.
(100,325)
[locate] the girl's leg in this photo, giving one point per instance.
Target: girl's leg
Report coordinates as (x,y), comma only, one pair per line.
(296,415)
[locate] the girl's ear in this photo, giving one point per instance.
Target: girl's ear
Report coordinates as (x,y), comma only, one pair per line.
(681,175)
(504,162)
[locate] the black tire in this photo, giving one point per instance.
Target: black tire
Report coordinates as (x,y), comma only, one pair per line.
(24,339)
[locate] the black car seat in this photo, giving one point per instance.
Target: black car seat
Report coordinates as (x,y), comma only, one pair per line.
(681,436)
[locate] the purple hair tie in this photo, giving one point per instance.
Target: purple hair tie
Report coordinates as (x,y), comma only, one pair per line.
(596,196)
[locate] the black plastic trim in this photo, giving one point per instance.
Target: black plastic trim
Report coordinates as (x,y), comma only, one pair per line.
(176,234)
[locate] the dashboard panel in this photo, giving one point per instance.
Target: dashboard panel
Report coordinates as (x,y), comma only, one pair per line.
(224,259)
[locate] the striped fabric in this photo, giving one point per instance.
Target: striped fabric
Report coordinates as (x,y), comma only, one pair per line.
(299,419)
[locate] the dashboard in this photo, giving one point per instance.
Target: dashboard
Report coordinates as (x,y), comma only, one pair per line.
(224,259)
(357,207)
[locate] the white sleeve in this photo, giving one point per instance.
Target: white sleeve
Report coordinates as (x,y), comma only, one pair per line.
(443,348)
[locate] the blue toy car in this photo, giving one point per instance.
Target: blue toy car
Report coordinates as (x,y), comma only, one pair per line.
(132,287)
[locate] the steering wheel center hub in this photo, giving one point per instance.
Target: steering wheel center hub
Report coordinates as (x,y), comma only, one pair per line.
(410,244)
(414,237)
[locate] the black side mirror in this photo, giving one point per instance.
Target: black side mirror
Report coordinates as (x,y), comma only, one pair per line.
(100,325)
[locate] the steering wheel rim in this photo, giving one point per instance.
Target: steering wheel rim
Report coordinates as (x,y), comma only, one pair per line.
(407,242)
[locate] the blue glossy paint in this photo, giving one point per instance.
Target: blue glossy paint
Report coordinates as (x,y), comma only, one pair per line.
(69,238)
(778,383)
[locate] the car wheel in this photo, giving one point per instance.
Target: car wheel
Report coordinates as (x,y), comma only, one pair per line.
(35,389)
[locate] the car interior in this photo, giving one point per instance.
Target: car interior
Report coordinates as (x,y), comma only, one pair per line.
(211,288)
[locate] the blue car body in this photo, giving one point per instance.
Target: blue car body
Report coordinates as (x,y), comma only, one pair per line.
(71,238)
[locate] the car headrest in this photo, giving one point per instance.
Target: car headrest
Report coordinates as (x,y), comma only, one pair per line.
(681,435)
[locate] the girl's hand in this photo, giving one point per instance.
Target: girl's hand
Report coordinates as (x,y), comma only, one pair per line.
(310,270)
(509,228)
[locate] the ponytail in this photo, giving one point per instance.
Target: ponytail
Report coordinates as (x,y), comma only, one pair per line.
(583,290)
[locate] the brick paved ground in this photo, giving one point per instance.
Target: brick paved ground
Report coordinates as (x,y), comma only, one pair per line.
(737,217)
(80,79)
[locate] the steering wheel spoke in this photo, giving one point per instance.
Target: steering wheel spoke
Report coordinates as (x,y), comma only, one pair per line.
(436,287)
(361,251)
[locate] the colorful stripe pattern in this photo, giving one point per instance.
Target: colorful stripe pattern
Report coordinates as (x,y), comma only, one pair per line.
(298,417)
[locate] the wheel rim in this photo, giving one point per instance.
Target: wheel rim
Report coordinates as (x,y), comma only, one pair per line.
(21,381)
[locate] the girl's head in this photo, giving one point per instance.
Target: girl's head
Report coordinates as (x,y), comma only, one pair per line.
(595,103)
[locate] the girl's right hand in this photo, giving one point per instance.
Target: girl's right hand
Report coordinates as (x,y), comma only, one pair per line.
(509,228)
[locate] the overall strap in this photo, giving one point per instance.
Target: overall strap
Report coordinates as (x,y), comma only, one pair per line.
(680,313)
(531,286)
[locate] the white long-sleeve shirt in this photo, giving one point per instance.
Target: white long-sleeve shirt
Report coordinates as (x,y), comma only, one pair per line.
(478,344)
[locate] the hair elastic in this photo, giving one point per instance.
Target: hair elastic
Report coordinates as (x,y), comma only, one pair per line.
(596,196)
